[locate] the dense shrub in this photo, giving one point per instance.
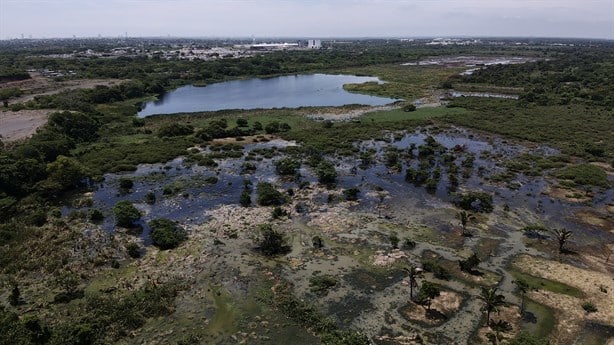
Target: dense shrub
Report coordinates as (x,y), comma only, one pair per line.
(246,198)
(268,195)
(287,166)
(174,130)
(584,174)
(320,284)
(351,194)
(272,242)
(475,201)
(125,214)
(326,172)
(166,234)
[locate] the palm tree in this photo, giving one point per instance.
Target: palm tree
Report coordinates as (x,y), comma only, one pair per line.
(464,217)
(499,327)
(492,301)
(523,288)
(562,235)
(414,273)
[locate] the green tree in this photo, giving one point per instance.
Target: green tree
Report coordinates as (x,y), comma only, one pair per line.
(63,174)
(125,214)
(241,122)
(166,234)
(492,301)
(428,291)
(287,166)
(468,265)
(246,198)
(272,127)
(125,183)
(464,217)
(351,194)
(326,172)
(77,126)
(268,195)
(272,242)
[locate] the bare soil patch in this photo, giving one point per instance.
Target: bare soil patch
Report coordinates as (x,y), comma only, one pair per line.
(567,194)
(38,86)
(442,308)
(345,114)
(18,125)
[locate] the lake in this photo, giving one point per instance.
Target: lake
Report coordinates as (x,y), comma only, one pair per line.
(280,92)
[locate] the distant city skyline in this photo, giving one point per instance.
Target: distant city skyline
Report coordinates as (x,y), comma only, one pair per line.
(309,18)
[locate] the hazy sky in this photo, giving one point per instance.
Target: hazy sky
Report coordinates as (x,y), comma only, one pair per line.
(307,18)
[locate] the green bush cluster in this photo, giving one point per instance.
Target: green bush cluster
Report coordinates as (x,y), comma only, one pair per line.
(584,175)
(268,195)
(166,234)
(474,201)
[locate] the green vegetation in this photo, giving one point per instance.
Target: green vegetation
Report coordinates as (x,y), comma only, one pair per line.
(474,201)
(566,102)
(287,166)
(320,284)
(546,284)
(125,214)
(268,195)
(428,291)
(525,338)
(589,127)
(272,242)
(166,234)
(326,172)
(584,175)
(308,316)
(589,307)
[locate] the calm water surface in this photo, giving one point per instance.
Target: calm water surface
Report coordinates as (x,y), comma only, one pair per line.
(280,92)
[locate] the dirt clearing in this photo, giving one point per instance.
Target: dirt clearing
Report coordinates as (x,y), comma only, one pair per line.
(18,125)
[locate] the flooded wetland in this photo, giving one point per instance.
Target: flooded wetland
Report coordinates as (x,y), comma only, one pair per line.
(397,219)
(435,196)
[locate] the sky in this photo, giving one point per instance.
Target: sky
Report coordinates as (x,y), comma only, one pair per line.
(307,18)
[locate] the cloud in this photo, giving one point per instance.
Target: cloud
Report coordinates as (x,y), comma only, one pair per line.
(315,18)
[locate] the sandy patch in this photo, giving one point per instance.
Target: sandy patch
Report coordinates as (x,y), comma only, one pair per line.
(442,308)
(382,258)
(571,195)
(593,218)
(334,219)
(18,125)
(571,315)
(344,114)
(609,169)
(233,220)
(250,139)
(40,86)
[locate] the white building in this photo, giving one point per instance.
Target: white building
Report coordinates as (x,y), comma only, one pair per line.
(314,44)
